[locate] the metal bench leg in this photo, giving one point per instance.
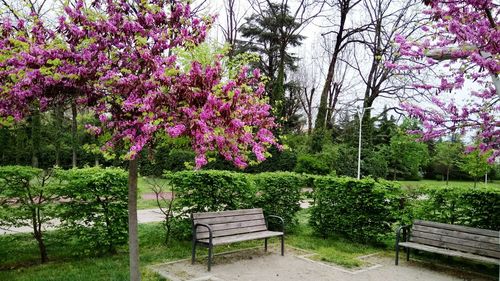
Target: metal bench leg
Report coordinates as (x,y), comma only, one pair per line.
(265,244)
(193,253)
(397,253)
(282,245)
(407,254)
(209,257)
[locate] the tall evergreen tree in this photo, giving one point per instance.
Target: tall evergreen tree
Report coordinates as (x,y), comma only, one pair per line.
(271,34)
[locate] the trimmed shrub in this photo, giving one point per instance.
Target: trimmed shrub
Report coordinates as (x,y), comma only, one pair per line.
(310,164)
(211,191)
(470,206)
(207,191)
(362,210)
(279,194)
(95,206)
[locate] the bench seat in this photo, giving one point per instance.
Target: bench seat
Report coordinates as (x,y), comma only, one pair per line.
(218,228)
(448,252)
(241,237)
(451,240)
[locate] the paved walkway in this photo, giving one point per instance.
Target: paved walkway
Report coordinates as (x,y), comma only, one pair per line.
(255,265)
(144,216)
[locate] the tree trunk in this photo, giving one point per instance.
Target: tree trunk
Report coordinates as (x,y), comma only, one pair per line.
(35,138)
(37,233)
(133,240)
(323,103)
(447,175)
(41,245)
(309,124)
(58,120)
(278,92)
(74,128)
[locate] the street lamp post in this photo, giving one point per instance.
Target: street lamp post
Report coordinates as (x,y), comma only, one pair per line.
(361,113)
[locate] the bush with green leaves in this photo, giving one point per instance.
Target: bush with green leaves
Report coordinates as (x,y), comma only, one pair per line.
(470,206)
(283,161)
(374,164)
(279,194)
(311,164)
(94,208)
(26,194)
(210,191)
(276,193)
(362,210)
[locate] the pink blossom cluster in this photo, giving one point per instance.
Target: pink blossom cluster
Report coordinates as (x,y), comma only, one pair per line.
(463,36)
(116,58)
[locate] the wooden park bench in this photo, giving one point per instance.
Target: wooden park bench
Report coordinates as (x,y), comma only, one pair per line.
(451,240)
(218,228)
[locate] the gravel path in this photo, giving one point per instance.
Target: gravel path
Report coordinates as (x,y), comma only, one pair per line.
(255,265)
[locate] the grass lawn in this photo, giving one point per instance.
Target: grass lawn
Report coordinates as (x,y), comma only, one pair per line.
(144,186)
(19,255)
(416,184)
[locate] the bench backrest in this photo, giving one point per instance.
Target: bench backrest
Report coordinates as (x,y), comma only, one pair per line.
(478,241)
(228,223)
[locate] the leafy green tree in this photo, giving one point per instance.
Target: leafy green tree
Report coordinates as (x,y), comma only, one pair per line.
(448,155)
(386,128)
(311,164)
(476,164)
(374,163)
(25,196)
(406,156)
(346,164)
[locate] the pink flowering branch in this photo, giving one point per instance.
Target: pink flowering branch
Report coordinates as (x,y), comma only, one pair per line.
(120,65)
(463,37)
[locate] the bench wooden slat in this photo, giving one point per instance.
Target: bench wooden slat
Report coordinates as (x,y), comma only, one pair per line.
(441,244)
(456,240)
(461,228)
(234,231)
(447,252)
(224,226)
(458,234)
(221,220)
(242,237)
(229,227)
(197,216)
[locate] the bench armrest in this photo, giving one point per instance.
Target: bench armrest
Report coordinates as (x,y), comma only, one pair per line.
(195,227)
(405,229)
(280,219)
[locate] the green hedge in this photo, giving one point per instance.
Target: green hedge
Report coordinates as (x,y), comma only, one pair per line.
(311,164)
(279,194)
(363,210)
(475,207)
(207,191)
(95,206)
(213,190)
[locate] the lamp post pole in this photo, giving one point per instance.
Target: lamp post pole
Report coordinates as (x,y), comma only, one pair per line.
(361,113)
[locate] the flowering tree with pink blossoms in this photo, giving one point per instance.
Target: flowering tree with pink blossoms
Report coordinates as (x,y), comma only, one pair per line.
(463,39)
(118,58)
